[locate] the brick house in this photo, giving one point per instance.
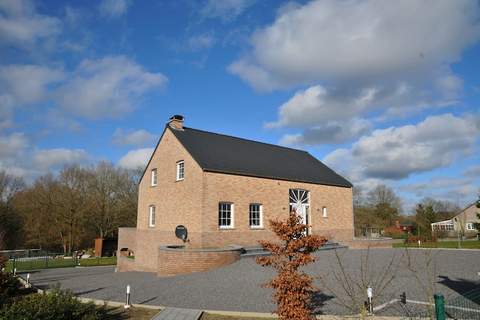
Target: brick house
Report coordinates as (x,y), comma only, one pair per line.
(224,190)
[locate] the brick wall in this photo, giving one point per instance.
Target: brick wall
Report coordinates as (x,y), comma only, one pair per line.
(274,197)
(178,261)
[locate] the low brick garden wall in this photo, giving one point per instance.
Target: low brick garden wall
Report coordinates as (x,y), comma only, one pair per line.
(174,260)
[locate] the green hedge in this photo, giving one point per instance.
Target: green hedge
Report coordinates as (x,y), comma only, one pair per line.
(51,306)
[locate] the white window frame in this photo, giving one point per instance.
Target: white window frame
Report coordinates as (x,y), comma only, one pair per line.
(152,216)
(180,170)
(324,212)
(232,215)
(260,209)
(469,226)
(154,178)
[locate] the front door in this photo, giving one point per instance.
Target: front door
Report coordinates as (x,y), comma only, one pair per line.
(300,203)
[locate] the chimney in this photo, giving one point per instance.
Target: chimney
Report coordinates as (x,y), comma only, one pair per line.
(176,122)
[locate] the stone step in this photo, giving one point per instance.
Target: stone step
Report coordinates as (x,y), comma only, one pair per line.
(171,313)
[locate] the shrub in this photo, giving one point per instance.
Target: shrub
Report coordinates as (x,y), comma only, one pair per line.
(51,306)
(293,288)
(414,239)
(394,233)
(10,287)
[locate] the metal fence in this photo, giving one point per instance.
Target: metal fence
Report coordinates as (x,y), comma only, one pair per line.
(464,306)
(24,260)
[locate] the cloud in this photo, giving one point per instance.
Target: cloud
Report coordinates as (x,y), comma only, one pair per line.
(397,152)
(20,158)
(358,41)
(473,171)
(114,8)
(459,190)
(331,133)
(136,158)
(200,42)
(28,84)
(21,25)
(226,10)
(134,138)
(106,88)
(358,59)
(56,158)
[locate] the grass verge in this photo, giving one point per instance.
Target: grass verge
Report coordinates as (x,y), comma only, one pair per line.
(59,263)
(475,244)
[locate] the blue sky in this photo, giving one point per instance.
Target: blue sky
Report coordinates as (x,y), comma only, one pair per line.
(382,92)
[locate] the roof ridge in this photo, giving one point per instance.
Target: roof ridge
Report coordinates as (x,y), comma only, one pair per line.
(249,140)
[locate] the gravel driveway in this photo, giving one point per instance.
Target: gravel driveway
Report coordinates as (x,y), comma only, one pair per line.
(237,287)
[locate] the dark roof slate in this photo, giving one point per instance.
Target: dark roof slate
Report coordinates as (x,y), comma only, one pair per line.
(221,153)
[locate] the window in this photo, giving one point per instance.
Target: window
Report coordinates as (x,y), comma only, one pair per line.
(225,215)
(151,216)
(154,177)
(180,170)
(469,226)
(324,212)
(256,216)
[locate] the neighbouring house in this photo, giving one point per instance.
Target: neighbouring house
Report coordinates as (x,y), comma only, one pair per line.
(399,228)
(462,224)
(225,189)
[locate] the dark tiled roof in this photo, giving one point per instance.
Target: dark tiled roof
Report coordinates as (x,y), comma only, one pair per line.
(221,153)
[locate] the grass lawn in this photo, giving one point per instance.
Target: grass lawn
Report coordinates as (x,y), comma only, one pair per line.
(474,244)
(59,263)
(208,316)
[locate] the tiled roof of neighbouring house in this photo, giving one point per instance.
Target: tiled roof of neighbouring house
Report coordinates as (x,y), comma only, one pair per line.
(221,153)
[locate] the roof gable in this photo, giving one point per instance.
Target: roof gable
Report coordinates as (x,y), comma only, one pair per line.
(226,154)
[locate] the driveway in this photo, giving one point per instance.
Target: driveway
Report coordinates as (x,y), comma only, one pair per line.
(238,287)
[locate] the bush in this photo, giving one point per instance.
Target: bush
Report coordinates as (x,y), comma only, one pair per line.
(394,233)
(10,287)
(51,306)
(414,239)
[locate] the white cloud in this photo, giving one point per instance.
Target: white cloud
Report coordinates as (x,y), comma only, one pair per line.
(473,172)
(106,88)
(226,10)
(359,58)
(114,8)
(135,138)
(28,83)
(200,42)
(397,152)
(359,41)
(20,158)
(332,132)
(21,25)
(55,158)
(136,158)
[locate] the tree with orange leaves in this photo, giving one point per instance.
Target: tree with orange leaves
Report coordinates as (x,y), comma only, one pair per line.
(293,288)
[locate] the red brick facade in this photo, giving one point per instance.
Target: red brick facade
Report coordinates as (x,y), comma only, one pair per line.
(193,202)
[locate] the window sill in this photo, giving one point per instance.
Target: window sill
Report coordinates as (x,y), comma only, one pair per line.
(257,228)
(178,180)
(226,228)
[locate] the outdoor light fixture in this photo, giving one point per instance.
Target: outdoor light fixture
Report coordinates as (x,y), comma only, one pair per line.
(28,281)
(370,295)
(127,300)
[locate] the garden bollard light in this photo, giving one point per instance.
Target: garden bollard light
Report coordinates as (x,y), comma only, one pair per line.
(370,295)
(127,300)
(14,272)
(27,285)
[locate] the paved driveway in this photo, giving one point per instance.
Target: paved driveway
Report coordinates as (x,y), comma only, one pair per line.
(237,287)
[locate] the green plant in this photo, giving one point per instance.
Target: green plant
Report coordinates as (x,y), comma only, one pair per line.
(9,287)
(51,306)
